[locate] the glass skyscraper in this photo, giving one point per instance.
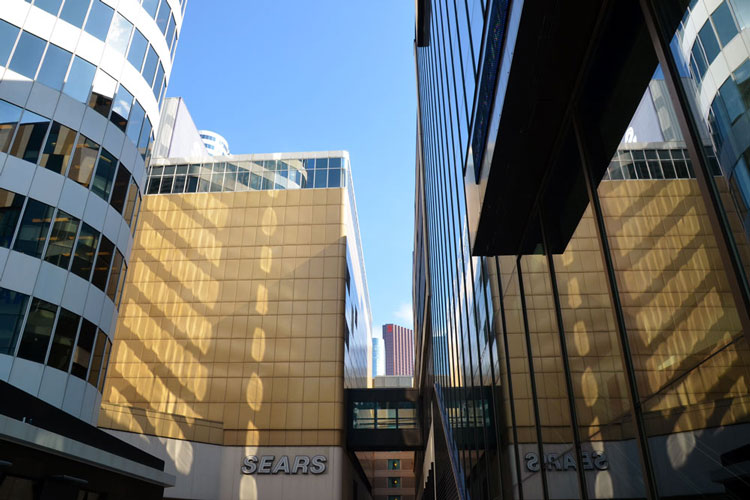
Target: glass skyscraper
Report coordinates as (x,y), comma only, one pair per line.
(580,264)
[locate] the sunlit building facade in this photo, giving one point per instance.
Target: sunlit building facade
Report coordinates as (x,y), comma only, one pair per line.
(580,264)
(398,343)
(244,318)
(81,84)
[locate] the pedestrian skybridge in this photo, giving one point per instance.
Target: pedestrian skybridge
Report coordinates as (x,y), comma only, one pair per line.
(383,420)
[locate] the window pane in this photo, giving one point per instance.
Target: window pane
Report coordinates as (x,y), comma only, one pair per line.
(121,284)
(732,99)
(9,115)
(84,345)
(121,188)
(96,361)
(710,44)
(724,23)
(8,35)
(10,210)
(105,364)
(119,34)
(30,137)
(137,50)
(102,93)
(61,351)
(334,178)
(99,19)
(105,173)
(27,55)
(103,262)
(54,67)
(114,276)
(58,149)
(121,108)
(85,249)
(145,138)
(61,240)
(75,12)
(130,203)
(12,309)
(79,79)
(35,224)
(38,331)
(151,7)
(135,122)
(163,17)
(51,6)
(149,68)
(84,159)
(321,177)
(170,30)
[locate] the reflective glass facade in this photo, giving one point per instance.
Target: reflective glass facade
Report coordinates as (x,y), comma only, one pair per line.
(605,354)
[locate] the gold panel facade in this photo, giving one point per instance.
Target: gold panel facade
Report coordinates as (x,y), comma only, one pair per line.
(231,329)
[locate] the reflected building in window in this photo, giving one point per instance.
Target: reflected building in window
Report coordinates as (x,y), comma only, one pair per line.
(580,261)
(81,84)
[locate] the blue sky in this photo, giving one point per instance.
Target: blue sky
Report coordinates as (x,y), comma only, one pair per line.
(282,76)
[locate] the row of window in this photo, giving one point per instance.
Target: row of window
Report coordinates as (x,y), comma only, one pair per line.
(246,175)
(654,164)
(733,98)
(720,28)
(56,147)
(43,332)
(34,228)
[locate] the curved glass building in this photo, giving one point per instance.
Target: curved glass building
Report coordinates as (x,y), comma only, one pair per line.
(81,85)
(215,143)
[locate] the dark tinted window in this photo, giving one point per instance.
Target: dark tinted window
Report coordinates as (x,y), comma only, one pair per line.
(135,122)
(38,331)
(84,159)
(11,205)
(82,356)
(9,115)
(710,44)
(121,108)
(63,341)
(103,263)
(105,173)
(12,309)
(114,276)
(30,137)
(35,224)
(61,239)
(96,360)
(724,22)
(59,147)
(121,188)
(83,259)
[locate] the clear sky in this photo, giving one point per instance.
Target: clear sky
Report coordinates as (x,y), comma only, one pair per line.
(283,76)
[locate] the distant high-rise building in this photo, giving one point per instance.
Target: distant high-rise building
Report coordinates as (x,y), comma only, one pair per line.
(378,357)
(215,143)
(399,350)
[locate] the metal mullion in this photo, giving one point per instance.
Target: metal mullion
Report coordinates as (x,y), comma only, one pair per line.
(565,360)
(446,22)
(614,295)
(509,381)
(532,380)
(723,234)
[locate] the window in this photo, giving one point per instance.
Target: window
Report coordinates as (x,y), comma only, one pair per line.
(30,137)
(724,23)
(105,173)
(57,151)
(158,80)
(170,30)
(130,204)
(102,93)
(137,50)
(84,159)
(96,361)
(135,122)
(9,115)
(99,19)
(119,34)
(162,18)
(61,240)
(103,263)
(28,55)
(75,12)
(121,108)
(114,277)
(151,6)
(82,356)
(145,138)
(394,464)
(8,35)
(54,67)
(12,309)
(79,79)
(63,341)
(51,6)
(105,364)
(11,205)
(742,77)
(35,224)
(732,99)
(38,331)
(394,482)
(83,259)
(709,41)
(121,188)
(149,67)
